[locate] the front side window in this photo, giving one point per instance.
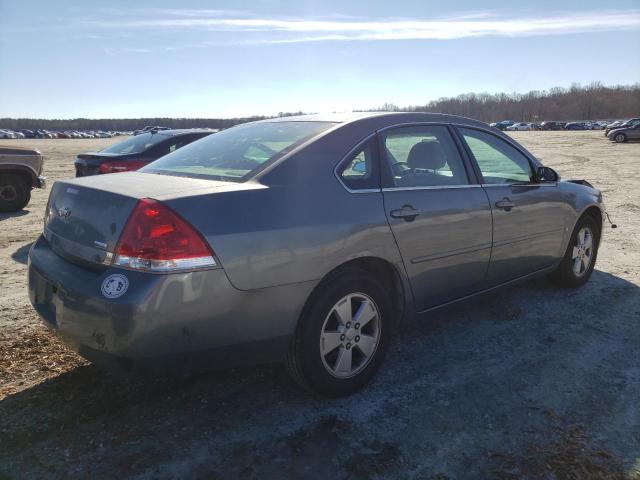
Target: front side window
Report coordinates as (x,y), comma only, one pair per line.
(359,171)
(498,161)
(237,153)
(422,156)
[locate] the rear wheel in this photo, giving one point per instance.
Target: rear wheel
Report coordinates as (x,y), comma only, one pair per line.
(580,258)
(620,138)
(15,193)
(342,336)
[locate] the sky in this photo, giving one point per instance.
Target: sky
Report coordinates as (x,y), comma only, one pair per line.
(213,59)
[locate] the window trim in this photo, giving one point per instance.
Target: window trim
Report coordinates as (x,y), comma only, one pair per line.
(533,163)
(347,157)
(472,177)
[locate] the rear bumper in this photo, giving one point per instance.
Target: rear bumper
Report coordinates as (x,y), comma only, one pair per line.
(186,321)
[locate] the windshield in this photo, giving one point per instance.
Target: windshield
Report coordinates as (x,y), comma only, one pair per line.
(235,154)
(136,144)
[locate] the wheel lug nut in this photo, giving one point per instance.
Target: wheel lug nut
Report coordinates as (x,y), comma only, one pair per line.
(348,324)
(342,337)
(348,346)
(357,338)
(357,326)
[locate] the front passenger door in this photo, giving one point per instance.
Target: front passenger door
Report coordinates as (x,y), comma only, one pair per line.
(528,217)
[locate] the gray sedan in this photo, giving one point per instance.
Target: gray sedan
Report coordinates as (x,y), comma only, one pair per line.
(631,131)
(306,240)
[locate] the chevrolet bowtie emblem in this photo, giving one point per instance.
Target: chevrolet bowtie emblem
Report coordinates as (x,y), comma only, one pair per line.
(64,213)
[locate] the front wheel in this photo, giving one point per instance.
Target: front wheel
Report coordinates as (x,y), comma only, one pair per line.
(580,258)
(620,138)
(342,336)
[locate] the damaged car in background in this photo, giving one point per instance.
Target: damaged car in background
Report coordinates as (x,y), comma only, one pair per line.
(306,240)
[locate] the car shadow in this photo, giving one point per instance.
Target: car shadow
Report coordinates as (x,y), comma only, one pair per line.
(19,213)
(21,255)
(475,383)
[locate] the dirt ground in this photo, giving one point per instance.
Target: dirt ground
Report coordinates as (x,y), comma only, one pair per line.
(531,382)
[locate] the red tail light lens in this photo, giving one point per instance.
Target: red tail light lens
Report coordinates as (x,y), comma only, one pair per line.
(121,166)
(157,239)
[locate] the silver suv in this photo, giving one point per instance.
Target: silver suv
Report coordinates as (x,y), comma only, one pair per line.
(20,171)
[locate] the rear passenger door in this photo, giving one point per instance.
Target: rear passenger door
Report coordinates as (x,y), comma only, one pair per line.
(440,217)
(528,217)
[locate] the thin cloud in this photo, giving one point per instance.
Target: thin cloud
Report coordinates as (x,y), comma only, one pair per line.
(476,25)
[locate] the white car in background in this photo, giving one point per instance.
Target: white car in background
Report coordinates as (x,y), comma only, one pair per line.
(520,126)
(7,134)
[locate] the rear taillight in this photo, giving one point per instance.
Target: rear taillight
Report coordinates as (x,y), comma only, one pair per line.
(117,167)
(157,239)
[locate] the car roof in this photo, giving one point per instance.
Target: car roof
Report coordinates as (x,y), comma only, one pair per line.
(389,118)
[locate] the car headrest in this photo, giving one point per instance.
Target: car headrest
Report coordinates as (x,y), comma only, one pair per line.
(427,155)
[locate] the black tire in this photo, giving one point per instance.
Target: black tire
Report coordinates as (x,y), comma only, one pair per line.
(15,192)
(620,138)
(564,276)
(305,361)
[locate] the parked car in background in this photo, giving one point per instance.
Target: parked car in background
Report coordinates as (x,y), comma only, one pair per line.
(28,133)
(622,134)
(6,134)
(43,134)
(307,240)
(632,122)
(575,126)
(520,126)
(20,171)
(136,152)
(149,128)
(552,126)
(502,125)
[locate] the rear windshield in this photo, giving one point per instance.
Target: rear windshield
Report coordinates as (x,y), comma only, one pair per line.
(237,153)
(136,144)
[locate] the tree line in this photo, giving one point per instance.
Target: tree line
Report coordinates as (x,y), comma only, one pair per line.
(590,102)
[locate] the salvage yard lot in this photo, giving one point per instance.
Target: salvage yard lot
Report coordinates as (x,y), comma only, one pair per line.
(519,382)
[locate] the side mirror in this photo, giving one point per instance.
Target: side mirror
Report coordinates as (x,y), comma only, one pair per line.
(546,174)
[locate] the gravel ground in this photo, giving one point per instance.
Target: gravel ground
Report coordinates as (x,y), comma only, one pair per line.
(531,382)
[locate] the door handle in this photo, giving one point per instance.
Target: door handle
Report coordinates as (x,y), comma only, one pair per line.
(407,212)
(506,204)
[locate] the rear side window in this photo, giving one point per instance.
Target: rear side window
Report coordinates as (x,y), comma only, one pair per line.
(422,156)
(359,171)
(136,144)
(498,161)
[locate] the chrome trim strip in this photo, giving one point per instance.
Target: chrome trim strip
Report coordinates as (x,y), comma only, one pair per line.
(514,185)
(452,253)
(344,157)
(430,187)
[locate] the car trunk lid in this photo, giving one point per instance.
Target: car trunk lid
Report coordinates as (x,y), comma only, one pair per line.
(85,216)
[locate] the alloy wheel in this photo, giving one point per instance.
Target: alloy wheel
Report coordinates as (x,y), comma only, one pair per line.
(350,335)
(582,254)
